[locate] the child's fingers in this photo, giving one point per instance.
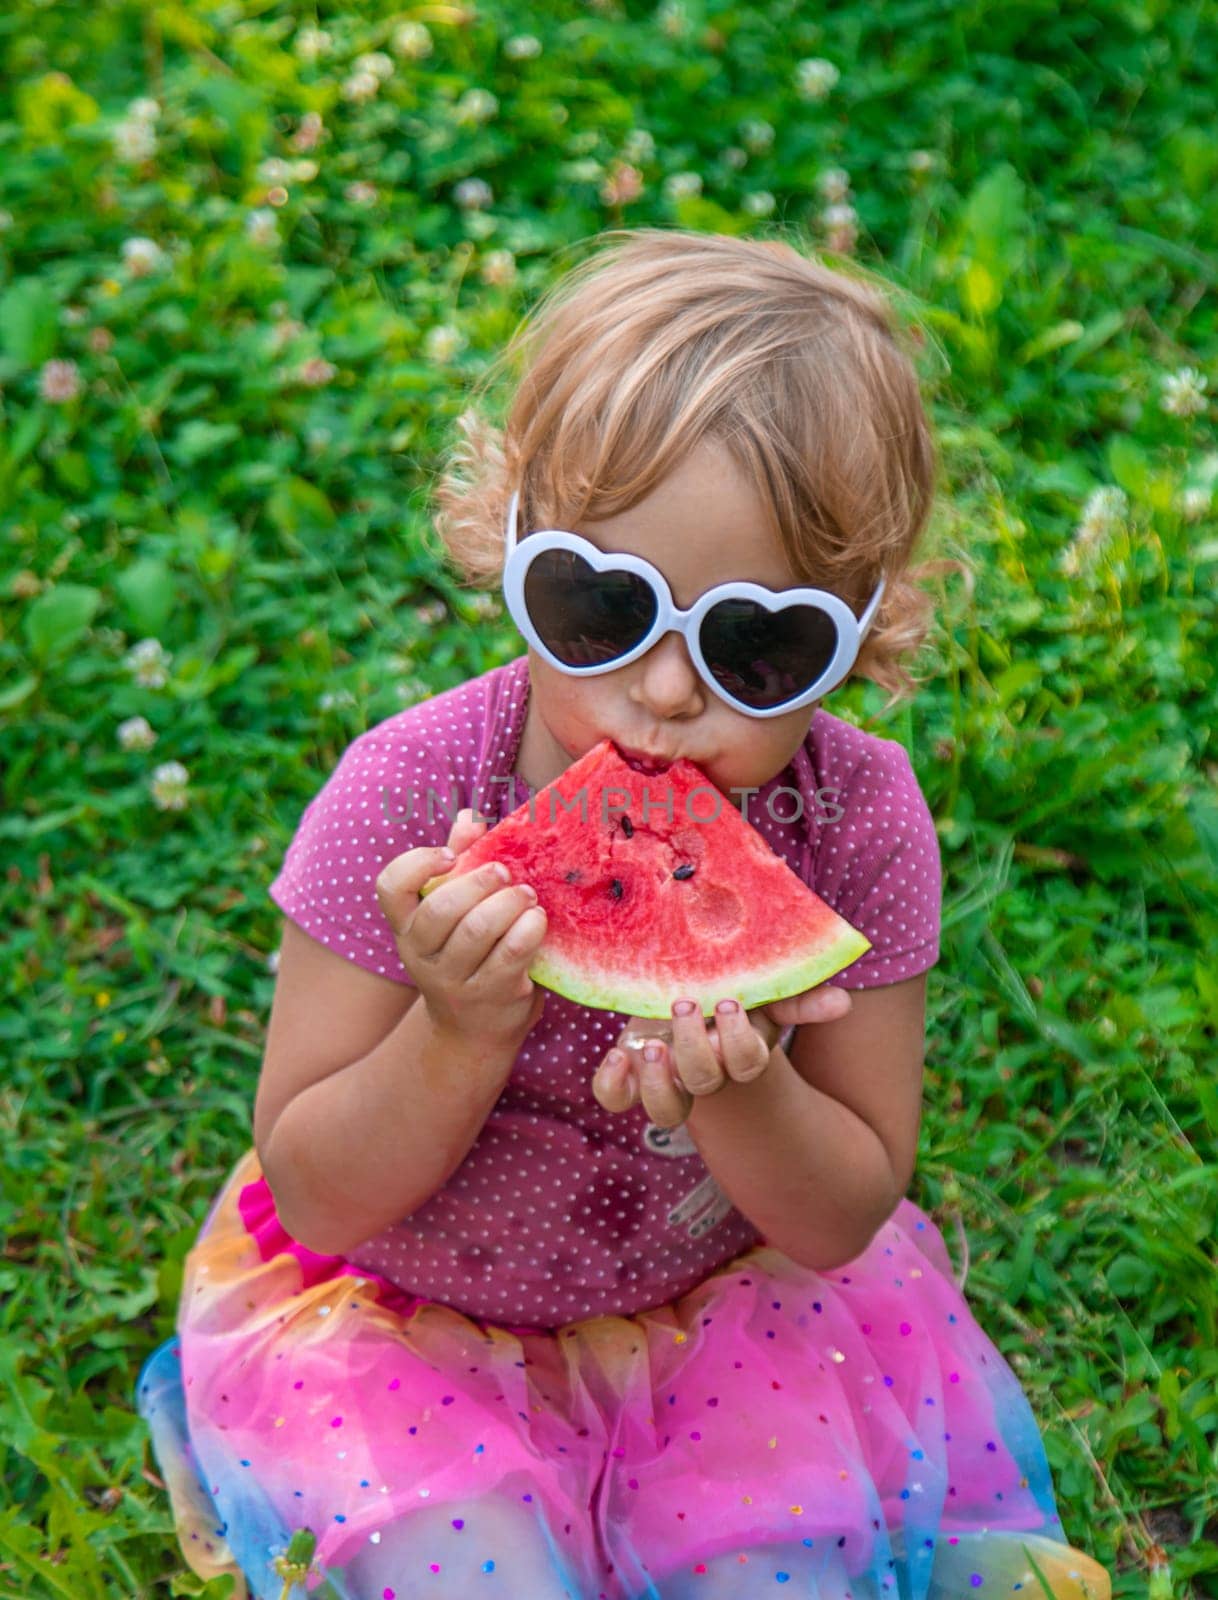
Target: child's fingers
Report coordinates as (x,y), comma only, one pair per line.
(467,827)
(613,1085)
(519,943)
(442,913)
(494,933)
(697,1064)
(824,1003)
(745,1052)
(666,1099)
(400,880)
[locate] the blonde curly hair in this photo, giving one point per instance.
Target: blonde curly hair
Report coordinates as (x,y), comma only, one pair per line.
(663,338)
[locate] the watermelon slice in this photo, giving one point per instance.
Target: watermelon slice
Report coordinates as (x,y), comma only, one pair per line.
(655,886)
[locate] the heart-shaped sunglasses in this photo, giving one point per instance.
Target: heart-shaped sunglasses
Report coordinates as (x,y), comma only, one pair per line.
(765,652)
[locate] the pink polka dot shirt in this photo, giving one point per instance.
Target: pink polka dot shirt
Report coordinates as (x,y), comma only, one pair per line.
(562,1210)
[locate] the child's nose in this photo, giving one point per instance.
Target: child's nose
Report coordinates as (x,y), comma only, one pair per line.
(667,682)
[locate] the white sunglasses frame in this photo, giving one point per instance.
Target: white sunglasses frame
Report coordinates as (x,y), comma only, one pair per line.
(521,553)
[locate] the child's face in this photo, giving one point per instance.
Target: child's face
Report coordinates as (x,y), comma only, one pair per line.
(705,524)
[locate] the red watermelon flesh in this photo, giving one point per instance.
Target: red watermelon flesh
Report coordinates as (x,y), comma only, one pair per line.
(645,903)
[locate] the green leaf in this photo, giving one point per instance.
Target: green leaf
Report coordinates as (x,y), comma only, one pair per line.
(13,696)
(1129,465)
(56,620)
(149,593)
(29,320)
(1011,683)
(296,504)
(197,439)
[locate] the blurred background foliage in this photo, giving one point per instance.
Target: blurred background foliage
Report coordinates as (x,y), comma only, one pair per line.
(252,258)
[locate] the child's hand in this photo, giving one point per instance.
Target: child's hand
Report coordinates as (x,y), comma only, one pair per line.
(700,1062)
(468,945)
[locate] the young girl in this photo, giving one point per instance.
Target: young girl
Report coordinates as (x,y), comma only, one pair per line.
(500,1302)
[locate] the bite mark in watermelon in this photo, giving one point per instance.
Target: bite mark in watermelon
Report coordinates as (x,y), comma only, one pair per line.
(645,902)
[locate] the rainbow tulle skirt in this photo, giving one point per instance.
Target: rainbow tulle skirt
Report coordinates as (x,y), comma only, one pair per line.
(845,1435)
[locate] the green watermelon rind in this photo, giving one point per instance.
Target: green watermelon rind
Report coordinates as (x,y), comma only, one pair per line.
(752,987)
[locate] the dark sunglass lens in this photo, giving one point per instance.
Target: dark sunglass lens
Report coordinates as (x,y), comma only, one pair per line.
(765,657)
(584,616)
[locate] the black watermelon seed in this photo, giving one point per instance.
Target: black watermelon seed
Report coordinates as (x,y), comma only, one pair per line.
(573,875)
(628,827)
(615,888)
(686,871)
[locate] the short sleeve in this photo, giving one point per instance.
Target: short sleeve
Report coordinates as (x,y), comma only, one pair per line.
(882,870)
(388,794)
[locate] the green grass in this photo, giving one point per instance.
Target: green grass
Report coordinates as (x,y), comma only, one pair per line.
(1058,242)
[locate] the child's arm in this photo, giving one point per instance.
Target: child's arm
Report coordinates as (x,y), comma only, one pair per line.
(818,1150)
(350,1139)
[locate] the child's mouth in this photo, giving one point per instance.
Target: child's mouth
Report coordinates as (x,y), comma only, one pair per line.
(643,763)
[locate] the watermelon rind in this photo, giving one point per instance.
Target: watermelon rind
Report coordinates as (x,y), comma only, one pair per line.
(752,988)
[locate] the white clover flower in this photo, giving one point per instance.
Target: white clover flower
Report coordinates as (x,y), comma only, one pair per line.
(679,185)
(499,268)
(134,140)
(309,134)
(142,257)
(335,698)
(432,612)
(1104,511)
(73,316)
(302,171)
(673,18)
(360,192)
(1184,392)
(411,690)
(476,105)
(588,170)
(921,161)
(473,193)
(283,332)
(411,40)
(522,47)
(1105,508)
(168,786)
(841,223)
(312,42)
(815,77)
(1194,503)
(376,62)
(315,372)
(443,343)
(756,136)
(144,110)
(760,203)
(262,227)
(274,170)
(734,157)
(136,734)
(59,381)
(148,660)
(485,606)
(834,184)
(623,184)
(638,145)
(360,86)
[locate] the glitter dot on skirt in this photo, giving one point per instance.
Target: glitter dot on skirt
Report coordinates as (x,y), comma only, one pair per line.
(846,1435)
